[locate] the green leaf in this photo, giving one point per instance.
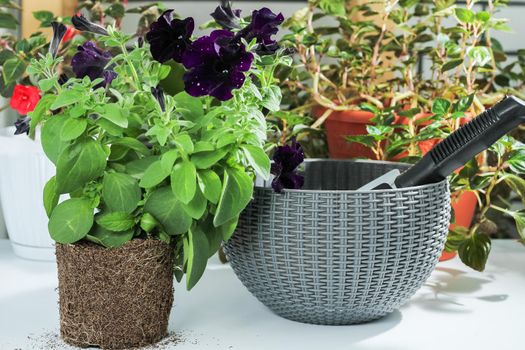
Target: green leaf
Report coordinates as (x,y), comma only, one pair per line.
(111,128)
(168,211)
(7,21)
(184,142)
(475,251)
(115,114)
(205,160)
(71,220)
(272,98)
(516,161)
(153,175)
(66,98)
(121,192)
(13,69)
(39,112)
(173,83)
(168,160)
(197,252)
(236,194)
(258,159)
(79,163)
(210,185)
(197,206)
(148,222)
(109,239)
(228,228)
(333,7)
(51,141)
(116,221)
(451,64)
(138,167)
(47,84)
(464,15)
(189,106)
(184,181)
(46,17)
(72,129)
(133,144)
(440,106)
(5,55)
(408,3)
(464,103)
(517,184)
(364,140)
(455,237)
(519,219)
(480,55)
(51,196)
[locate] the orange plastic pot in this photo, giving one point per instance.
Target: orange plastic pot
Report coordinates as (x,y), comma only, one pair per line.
(341,124)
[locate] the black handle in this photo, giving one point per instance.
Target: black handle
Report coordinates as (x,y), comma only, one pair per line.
(465,143)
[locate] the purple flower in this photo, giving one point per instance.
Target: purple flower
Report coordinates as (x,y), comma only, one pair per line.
(59,30)
(22,125)
(158,93)
(81,23)
(216,65)
(264,24)
(226,17)
(169,37)
(91,61)
(286,159)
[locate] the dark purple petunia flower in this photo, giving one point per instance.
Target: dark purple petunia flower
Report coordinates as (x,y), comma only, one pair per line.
(226,17)
(169,37)
(91,61)
(22,125)
(263,26)
(59,30)
(286,159)
(81,23)
(216,65)
(158,93)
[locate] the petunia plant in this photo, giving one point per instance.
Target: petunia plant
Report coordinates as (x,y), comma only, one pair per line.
(137,162)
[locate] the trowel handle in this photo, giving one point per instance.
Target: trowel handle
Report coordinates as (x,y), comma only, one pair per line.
(465,143)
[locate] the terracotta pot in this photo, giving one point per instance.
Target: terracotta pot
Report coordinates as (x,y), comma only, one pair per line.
(114,298)
(342,124)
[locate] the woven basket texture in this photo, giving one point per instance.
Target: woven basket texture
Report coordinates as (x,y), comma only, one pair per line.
(328,254)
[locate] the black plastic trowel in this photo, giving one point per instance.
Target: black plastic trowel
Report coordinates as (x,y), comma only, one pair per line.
(458,148)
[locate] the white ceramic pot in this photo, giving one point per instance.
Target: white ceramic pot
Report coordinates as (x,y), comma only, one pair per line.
(23,174)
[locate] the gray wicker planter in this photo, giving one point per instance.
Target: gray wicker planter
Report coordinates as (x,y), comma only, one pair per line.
(330,255)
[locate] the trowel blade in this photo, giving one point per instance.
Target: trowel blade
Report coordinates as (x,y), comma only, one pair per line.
(386,181)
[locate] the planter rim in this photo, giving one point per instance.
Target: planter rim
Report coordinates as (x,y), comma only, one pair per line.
(330,160)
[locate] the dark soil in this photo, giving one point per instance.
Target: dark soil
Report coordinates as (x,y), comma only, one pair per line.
(114,298)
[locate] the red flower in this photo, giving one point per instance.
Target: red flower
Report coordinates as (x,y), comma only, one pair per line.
(25,98)
(70,33)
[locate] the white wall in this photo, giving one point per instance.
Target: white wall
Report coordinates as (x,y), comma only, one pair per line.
(6,118)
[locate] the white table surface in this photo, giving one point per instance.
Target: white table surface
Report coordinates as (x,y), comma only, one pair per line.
(457,308)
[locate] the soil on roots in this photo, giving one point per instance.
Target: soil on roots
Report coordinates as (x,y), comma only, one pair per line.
(114,298)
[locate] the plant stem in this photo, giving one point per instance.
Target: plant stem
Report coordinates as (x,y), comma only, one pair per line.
(132,67)
(487,205)
(3,108)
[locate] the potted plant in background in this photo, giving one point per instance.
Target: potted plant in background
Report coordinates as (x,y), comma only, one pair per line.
(412,114)
(340,66)
(154,180)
